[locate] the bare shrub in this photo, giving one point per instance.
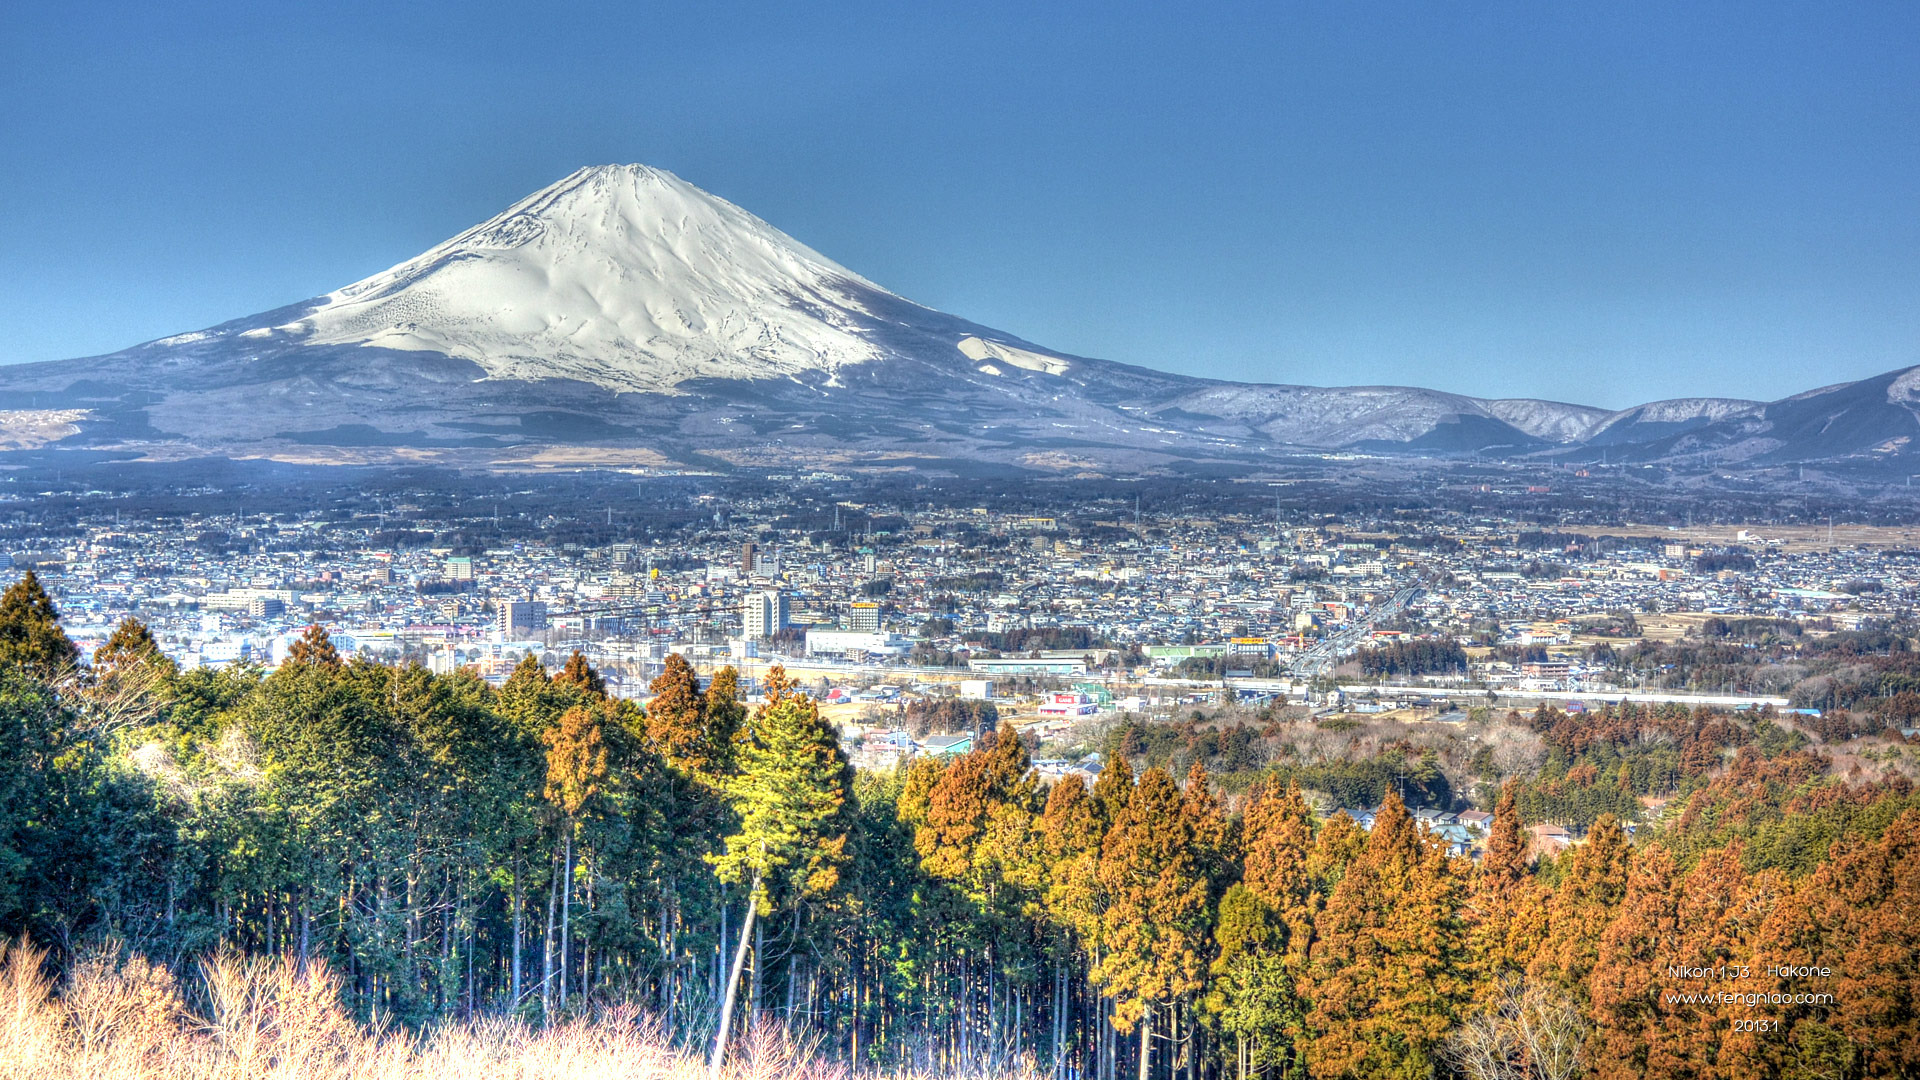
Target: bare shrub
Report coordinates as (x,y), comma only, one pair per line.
(1532,1031)
(120,1017)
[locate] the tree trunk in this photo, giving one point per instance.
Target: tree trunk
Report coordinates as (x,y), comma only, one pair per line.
(733,986)
(759,964)
(720,958)
(566,912)
(519,906)
(1059,1016)
(546,949)
(1176,1054)
(1146,1043)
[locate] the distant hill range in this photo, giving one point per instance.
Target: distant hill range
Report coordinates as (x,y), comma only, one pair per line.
(625,317)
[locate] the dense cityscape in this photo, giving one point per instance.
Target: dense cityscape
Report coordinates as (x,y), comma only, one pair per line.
(893,594)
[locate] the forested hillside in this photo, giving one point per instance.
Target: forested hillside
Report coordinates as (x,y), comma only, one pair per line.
(448,851)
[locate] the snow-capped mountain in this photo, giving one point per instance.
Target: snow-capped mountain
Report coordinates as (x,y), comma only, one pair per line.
(625,315)
(628,278)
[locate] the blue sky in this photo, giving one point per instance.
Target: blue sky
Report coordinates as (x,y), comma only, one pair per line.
(1605,203)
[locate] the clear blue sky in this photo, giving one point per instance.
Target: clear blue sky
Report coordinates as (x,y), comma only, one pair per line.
(1587,201)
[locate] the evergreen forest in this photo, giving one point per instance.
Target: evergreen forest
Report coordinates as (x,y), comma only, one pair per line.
(448,850)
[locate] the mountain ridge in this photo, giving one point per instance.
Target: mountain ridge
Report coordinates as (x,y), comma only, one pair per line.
(625,309)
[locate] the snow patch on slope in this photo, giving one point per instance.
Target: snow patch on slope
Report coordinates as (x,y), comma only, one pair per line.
(1905,390)
(1555,421)
(981,350)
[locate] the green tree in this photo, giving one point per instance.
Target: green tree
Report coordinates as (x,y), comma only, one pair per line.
(1252,990)
(30,633)
(790,796)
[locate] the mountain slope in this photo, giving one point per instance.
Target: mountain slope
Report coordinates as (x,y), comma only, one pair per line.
(624,315)
(627,278)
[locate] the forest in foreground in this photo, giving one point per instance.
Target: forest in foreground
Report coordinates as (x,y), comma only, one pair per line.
(424,859)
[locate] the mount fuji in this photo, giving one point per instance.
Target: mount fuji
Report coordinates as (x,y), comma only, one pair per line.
(623,316)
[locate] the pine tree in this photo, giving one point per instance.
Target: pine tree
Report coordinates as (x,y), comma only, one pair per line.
(1385,970)
(1279,843)
(976,834)
(126,687)
(130,643)
(1252,991)
(315,649)
(1629,975)
(977,817)
(576,773)
(676,718)
(581,676)
(1583,904)
(791,797)
(1215,836)
(1508,913)
(724,720)
(1071,832)
(30,633)
(1153,867)
(1866,901)
(1337,843)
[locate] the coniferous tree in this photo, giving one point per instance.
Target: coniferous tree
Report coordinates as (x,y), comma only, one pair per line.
(127,677)
(724,717)
(130,643)
(1866,903)
(790,796)
(315,647)
(1385,971)
(1629,977)
(1507,913)
(576,773)
(1252,992)
(1279,843)
(676,717)
(30,633)
(1336,844)
(1153,867)
(1583,904)
(580,675)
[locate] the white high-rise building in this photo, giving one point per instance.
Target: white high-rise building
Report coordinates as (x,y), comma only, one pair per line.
(522,617)
(764,614)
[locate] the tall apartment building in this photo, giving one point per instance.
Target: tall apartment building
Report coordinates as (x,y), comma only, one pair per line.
(763,614)
(747,552)
(460,568)
(518,617)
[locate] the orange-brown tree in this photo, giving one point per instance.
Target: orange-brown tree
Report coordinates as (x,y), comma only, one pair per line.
(1386,969)
(1157,924)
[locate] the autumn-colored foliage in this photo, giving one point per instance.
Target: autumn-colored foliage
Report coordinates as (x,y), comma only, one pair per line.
(448,848)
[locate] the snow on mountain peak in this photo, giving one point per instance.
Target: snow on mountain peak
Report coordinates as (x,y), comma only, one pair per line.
(623,276)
